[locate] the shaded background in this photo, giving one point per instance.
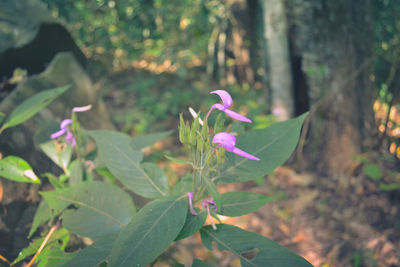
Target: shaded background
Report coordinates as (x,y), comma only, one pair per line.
(143,62)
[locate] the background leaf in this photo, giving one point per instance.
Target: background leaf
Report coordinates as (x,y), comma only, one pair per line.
(273,145)
(32,105)
(140,142)
(93,254)
(150,232)
(241,203)
(101,208)
(16,169)
(260,250)
(124,164)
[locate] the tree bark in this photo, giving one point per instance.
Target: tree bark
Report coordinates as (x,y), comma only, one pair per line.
(333,39)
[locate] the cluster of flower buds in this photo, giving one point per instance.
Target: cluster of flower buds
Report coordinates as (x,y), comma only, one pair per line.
(197,137)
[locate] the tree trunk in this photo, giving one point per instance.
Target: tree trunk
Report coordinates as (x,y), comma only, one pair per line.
(333,38)
(275,25)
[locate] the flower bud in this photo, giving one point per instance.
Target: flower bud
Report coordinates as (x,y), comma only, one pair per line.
(193,131)
(219,123)
(182,128)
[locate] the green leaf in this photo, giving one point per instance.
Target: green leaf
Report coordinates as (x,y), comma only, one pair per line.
(182,161)
(32,105)
(199,263)
(241,203)
(140,142)
(101,208)
(18,170)
(388,187)
(53,254)
(42,215)
(124,164)
(150,232)
(54,181)
(60,154)
(373,171)
(273,145)
(213,191)
(192,224)
(251,248)
(35,244)
(76,173)
(95,253)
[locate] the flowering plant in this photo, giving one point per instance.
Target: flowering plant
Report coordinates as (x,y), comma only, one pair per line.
(105,213)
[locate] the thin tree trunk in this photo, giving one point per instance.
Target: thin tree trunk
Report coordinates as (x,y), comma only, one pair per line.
(281,83)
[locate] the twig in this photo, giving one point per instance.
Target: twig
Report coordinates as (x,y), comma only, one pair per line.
(4,259)
(43,244)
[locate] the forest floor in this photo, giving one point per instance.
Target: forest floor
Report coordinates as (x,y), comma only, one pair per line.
(347,222)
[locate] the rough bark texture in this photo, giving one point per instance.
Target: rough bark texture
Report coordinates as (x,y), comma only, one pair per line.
(281,83)
(334,40)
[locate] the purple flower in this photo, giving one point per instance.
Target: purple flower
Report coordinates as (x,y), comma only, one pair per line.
(206,203)
(64,130)
(190,196)
(227,102)
(228,141)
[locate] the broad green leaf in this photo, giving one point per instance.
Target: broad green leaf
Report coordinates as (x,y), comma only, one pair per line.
(100,208)
(95,253)
(124,164)
(251,248)
(59,153)
(199,263)
(35,244)
(150,232)
(18,170)
(213,191)
(32,105)
(241,203)
(76,173)
(273,145)
(182,161)
(140,142)
(42,215)
(192,224)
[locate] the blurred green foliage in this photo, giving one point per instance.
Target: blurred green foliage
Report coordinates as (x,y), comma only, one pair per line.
(132,29)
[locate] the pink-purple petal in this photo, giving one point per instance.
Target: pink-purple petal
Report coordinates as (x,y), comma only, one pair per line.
(58,134)
(241,153)
(226,140)
(82,109)
(192,210)
(225,97)
(64,123)
(236,116)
